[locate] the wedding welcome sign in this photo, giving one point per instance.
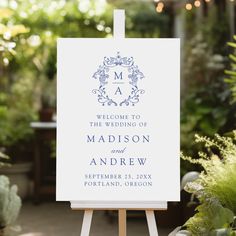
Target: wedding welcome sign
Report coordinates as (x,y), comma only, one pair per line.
(118,122)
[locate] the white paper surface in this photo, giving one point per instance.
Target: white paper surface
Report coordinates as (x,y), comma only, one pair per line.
(118,120)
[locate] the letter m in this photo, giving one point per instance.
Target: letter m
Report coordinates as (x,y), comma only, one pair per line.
(90,139)
(118,76)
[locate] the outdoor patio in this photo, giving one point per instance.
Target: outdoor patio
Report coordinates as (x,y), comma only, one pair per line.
(57,219)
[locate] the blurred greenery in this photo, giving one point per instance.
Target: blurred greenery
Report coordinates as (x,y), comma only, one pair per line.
(142,20)
(231,80)
(29,30)
(205,103)
(28,34)
(15,107)
(206,107)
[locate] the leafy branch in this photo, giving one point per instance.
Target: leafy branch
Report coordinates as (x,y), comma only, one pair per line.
(231,80)
(215,187)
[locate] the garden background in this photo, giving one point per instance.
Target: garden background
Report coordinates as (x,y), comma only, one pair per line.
(28,33)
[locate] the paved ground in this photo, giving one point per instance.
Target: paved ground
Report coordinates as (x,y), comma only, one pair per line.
(57,219)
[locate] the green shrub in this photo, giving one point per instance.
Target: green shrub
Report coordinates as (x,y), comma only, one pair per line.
(231,80)
(215,187)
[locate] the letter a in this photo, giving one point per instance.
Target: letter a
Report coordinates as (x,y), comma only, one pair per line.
(93,162)
(118,91)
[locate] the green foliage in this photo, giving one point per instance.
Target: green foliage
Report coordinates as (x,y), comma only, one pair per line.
(205,100)
(53,149)
(215,27)
(16,112)
(8,34)
(210,215)
(231,80)
(190,27)
(10,202)
(27,73)
(205,107)
(15,96)
(215,187)
(28,35)
(142,19)
(48,20)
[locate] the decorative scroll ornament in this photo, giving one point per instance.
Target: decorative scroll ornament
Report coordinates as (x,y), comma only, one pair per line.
(118,77)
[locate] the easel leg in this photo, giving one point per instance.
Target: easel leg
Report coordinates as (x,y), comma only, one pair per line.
(88,214)
(122,222)
(152,226)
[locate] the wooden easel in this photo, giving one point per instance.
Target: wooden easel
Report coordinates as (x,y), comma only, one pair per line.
(119,33)
(122,209)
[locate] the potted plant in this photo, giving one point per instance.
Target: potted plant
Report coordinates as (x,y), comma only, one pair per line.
(215,187)
(48,100)
(10,202)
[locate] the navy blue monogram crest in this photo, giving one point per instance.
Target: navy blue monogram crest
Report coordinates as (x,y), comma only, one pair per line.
(118,81)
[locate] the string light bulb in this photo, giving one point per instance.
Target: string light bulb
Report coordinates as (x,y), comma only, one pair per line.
(188,6)
(159,10)
(160,4)
(197,3)
(160,7)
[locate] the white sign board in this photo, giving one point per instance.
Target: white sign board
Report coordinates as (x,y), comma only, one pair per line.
(118,121)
